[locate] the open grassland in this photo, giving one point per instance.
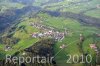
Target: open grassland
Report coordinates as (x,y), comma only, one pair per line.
(24,36)
(59,23)
(75,28)
(93,13)
(9,5)
(77,6)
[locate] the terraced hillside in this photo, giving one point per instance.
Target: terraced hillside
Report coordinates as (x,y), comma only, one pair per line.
(65,29)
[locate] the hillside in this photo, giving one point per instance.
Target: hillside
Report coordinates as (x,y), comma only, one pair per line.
(57,28)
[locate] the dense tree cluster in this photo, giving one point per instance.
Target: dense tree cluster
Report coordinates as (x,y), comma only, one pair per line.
(8,41)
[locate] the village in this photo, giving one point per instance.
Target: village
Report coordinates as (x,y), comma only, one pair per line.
(48,32)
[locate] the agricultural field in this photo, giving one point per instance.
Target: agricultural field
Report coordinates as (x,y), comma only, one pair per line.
(74,28)
(67,30)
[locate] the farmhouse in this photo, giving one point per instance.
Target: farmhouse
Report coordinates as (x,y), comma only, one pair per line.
(7,48)
(63,46)
(81,37)
(98,35)
(98,6)
(94,47)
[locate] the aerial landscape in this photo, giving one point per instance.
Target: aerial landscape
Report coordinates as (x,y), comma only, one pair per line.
(49,32)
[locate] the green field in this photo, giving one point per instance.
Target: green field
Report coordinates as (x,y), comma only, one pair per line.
(75,29)
(73,26)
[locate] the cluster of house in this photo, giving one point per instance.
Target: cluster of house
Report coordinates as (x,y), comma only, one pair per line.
(41,26)
(94,47)
(55,35)
(47,32)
